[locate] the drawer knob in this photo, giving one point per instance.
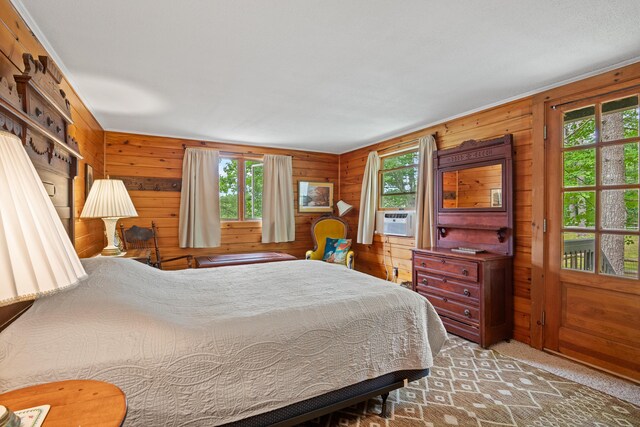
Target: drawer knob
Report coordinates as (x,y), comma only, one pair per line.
(423,264)
(443,261)
(467,313)
(38,112)
(465,272)
(49,121)
(444,299)
(424,281)
(466,292)
(444,280)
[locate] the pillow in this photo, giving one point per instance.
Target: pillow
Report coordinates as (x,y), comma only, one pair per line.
(335,250)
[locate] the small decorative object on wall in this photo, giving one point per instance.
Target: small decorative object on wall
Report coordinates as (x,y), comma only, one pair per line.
(496,197)
(315,196)
(88,179)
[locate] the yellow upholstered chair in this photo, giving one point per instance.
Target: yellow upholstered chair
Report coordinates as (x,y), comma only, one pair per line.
(328,226)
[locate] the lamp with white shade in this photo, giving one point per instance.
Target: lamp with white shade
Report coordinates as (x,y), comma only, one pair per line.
(110,201)
(343,208)
(36,256)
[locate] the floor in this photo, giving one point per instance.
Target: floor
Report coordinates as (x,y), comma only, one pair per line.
(502,386)
(564,368)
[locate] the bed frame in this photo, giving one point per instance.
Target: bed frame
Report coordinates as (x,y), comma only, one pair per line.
(327,403)
(35,108)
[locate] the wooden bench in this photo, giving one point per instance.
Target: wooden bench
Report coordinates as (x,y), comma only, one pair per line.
(241,259)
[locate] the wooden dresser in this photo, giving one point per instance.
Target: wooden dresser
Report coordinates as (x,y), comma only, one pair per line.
(471,293)
(473,208)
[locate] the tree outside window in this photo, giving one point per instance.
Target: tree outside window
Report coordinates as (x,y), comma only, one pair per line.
(398,179)
(240,189)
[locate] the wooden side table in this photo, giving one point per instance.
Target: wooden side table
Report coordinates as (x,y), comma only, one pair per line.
(73,403)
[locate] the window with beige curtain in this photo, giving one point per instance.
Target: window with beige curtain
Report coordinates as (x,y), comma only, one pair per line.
(278,220)
(199,222)
(425,237)
(368,200)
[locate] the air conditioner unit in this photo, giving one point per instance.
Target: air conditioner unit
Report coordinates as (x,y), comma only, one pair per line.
(396,223)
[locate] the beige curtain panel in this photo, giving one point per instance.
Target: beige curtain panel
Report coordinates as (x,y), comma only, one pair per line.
(369,200)
(200,199)
(425,237)
(278,221)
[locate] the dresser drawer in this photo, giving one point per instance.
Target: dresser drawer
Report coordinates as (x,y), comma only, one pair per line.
(463,292)
(454,309)
(446,266)
(470,332)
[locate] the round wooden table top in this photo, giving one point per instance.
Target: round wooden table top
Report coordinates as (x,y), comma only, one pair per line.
(73,403)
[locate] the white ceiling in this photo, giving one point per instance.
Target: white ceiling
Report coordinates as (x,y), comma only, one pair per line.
(324,75)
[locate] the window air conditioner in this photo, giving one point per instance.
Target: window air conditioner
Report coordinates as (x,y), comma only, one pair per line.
(396,223)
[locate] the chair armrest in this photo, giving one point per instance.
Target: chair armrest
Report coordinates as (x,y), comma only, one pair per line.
(351,260)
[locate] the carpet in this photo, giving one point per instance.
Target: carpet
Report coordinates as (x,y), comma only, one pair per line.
(471,386)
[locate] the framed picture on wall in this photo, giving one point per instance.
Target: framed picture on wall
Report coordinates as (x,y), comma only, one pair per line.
(88,179)
(315,196)
(496,197)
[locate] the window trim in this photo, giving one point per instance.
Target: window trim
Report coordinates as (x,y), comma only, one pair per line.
(241,158)
(381,171)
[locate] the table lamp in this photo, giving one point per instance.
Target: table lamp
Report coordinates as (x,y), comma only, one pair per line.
(109,200)
(36,256)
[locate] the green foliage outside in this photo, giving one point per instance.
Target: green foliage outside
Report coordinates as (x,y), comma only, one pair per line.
(399,186)
(228,171)
(580,171)
(229,181)
(253,179)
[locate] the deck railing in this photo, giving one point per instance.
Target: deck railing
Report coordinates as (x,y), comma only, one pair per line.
(580,255)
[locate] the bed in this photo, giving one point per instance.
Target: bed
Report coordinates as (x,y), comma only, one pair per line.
(244,345)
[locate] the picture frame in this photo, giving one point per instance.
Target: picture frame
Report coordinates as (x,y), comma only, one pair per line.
(315,196)
(88,179)
(496,197)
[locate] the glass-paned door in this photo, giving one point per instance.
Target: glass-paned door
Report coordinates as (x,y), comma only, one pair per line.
(592,291)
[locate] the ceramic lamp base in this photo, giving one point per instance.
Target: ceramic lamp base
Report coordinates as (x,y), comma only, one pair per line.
(110,228)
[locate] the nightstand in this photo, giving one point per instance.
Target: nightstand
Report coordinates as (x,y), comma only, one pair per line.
(73,403)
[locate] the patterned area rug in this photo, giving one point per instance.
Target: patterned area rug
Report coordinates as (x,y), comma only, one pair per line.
(470,386)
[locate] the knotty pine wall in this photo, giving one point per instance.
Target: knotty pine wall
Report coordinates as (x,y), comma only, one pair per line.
(161,157)
(16,39)
(514,118)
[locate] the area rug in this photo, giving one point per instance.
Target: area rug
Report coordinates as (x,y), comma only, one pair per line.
(471,386)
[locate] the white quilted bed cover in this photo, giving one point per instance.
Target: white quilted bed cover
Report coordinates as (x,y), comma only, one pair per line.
(207,347)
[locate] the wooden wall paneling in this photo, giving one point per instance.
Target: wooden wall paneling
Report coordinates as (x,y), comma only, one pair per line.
(144,156)
(514,118)
(536,290)
(16,39)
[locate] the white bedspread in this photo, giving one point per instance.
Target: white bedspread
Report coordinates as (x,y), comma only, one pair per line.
(206,347)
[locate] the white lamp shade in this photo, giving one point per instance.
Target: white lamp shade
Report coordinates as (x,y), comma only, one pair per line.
(108,198)
(343,208)
(36,255)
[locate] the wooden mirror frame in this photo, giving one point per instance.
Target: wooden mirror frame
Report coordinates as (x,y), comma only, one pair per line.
(489,228)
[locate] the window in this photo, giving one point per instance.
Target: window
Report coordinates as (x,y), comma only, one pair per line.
(398,178)
(240,189)
(600,188)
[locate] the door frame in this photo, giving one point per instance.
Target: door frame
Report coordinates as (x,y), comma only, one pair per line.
(611,81)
